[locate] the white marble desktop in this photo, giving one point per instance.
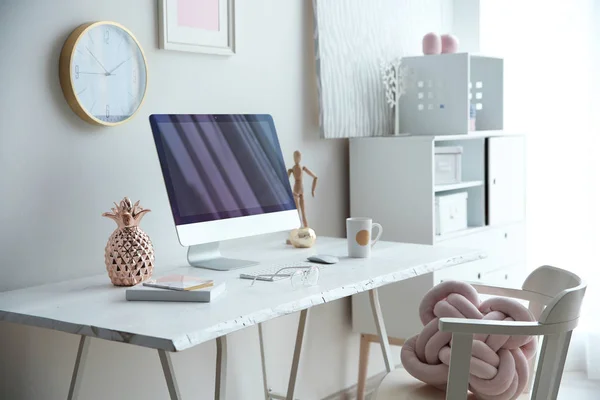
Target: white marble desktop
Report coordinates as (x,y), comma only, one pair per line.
(94,307)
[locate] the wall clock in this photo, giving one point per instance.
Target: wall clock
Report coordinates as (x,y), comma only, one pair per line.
(103,73)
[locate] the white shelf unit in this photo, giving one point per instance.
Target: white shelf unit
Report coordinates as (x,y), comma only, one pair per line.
(392,181)
(440,89)
(456,186)
(465,232)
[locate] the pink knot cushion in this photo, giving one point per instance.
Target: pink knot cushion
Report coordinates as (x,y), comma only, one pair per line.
(432,44)
(449,43)
(499,363)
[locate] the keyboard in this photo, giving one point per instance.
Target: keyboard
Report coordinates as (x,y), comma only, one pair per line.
(267,270)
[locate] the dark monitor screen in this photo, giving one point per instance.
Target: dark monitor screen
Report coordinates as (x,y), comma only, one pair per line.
(221,166)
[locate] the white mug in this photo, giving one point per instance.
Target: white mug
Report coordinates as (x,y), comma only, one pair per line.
(358,232)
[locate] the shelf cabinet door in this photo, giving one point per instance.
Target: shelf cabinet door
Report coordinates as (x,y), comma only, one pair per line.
(506,179)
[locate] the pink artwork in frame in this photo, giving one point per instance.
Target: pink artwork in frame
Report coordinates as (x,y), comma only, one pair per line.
(199,14)
(200,26)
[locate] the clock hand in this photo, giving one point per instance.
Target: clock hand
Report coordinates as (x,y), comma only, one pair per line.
(112,70)
(93,73)
(98,61)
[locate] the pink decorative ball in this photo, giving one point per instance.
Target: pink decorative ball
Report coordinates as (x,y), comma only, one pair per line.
(432,43)
(449,44)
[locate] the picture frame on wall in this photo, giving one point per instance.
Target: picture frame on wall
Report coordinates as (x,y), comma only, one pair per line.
(200,26)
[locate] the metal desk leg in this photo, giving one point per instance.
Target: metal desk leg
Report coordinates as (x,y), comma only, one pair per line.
(167,366)
(221,373)
(263,362)
(297,352)
(84,344)
(381,332)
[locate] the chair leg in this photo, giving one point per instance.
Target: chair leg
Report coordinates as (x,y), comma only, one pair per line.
(532,368)
(363,364)
(550,366)
(562,358)
(460,359)
(396,341)
(536,309)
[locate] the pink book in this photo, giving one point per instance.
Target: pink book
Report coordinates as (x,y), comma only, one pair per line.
(179,282)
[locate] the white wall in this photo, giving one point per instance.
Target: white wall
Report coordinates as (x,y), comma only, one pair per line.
(58,174)
(551,94)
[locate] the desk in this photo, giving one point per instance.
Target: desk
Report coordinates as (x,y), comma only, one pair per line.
(92,307)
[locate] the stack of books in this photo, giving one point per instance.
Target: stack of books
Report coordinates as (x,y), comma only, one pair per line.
(176,288)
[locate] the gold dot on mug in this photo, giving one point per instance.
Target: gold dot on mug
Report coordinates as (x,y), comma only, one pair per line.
(363,237)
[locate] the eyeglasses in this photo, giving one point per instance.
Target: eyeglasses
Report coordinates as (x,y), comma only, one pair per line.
(302,276)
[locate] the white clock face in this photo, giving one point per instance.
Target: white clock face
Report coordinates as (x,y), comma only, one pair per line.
(108,73)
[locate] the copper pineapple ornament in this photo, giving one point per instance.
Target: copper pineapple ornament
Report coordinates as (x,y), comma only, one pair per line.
(129,254)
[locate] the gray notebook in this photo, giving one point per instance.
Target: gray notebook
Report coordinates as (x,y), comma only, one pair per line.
(146,293)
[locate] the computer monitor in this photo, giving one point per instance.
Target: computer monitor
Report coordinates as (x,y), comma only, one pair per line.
(225,179)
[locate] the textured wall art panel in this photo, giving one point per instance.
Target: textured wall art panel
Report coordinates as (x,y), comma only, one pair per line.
(352,39)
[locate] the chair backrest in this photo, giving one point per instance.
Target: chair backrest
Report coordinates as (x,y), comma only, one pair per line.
(565,288)
(566,291)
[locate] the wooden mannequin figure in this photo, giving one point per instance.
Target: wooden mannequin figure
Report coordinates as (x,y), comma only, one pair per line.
(298,171)
(303,237)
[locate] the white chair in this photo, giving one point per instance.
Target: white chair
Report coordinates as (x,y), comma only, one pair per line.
(555,298)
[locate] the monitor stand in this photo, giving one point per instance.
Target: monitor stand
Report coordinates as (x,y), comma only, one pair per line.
(209,256)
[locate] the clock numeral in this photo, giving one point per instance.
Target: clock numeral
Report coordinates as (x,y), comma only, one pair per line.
(106,36)
(77,72)
(107,111)
(135,76)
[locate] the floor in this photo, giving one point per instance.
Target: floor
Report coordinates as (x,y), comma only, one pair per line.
(574,386)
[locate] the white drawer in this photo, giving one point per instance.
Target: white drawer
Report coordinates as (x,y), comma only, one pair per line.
(503,246)
(508,276)
(470,272)
(511,276)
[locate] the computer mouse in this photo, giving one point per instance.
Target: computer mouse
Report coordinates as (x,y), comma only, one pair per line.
(323,259)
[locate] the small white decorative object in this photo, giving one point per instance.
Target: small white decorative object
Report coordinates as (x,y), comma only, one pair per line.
(394,76)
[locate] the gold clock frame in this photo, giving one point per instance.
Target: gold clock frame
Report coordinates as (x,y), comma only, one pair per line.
(66,76)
